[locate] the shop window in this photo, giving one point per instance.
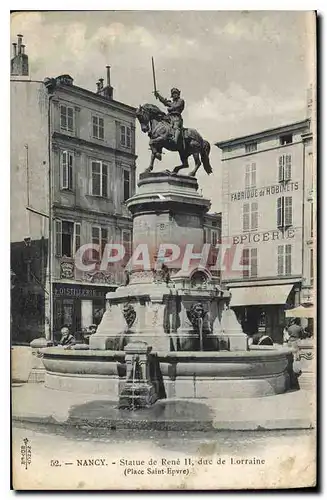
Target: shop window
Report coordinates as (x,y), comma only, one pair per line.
(98,309)
(68,238)
(250,175)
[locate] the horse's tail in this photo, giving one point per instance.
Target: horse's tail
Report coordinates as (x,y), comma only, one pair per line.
(205,151)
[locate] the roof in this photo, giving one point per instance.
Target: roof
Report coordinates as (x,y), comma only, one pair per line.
(99,98)
(264,133)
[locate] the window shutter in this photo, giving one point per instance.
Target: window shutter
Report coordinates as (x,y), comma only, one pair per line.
(101,128)
(104,180)
(253,175)
(254,262)
(288,216)
(288,168)
(70,170)
(77,236)
(70,119)
(280,259)
(96,176)
(123,135)
(64,170)
(281,169)
(246,217)
(128,137)
(254,215)
(63,117)
(247,176)
(280,212)
(127,243)
(58,231)
(246,262)
(95,126)
(288,259)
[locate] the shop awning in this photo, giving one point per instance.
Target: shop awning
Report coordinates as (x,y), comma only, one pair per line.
(260,295)
(300,312)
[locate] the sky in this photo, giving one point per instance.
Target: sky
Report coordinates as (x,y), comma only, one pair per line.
(239,71)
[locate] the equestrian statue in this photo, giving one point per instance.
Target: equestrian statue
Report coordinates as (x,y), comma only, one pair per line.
(166,131)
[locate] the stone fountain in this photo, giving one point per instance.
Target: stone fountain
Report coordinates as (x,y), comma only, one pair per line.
(168,332)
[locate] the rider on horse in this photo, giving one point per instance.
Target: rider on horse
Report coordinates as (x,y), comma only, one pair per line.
(175,109)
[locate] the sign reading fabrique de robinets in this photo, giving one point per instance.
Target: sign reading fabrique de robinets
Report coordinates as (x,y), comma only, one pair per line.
(163,257)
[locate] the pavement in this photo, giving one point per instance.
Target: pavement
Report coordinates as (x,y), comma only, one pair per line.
(32,402)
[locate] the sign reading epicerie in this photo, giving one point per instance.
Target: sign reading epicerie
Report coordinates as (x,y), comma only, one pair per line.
(266,236)
(264,191)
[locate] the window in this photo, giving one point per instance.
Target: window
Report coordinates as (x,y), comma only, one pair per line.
(285,139)
(250,216)
(99,237)
(250,175)
(284,260)
(284,211)
(250,262)
(67,160)
(252,146)
(127,243)
(68,238)
(311,267)
(284,168)
(99,179)
(214,237)
(67,118)
(125,136)
(127,184)
(98,127)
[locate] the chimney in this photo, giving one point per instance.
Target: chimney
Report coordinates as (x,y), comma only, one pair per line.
(19,63)
(108,76)
(20,39)
(98,87)
(101,83)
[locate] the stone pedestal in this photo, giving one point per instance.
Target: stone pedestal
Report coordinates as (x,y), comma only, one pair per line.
(138,391)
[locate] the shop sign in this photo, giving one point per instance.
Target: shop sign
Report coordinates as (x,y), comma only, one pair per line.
(264,191)
(261,237)
(76,291)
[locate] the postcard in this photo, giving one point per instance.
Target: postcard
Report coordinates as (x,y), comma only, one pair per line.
(163,256)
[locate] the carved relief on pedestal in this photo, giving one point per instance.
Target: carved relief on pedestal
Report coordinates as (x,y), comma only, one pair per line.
(129,314)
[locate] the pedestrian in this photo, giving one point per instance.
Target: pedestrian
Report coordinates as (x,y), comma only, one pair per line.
(67,339)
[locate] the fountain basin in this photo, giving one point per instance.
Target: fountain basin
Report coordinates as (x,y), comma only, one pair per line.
(255,373)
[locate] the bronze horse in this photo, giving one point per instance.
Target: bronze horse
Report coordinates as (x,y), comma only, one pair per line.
(156,123)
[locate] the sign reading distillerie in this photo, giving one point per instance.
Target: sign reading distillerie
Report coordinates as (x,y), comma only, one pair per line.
(264,191)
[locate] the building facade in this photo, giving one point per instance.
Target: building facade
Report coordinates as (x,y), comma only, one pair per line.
(72,169)
(268,221)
